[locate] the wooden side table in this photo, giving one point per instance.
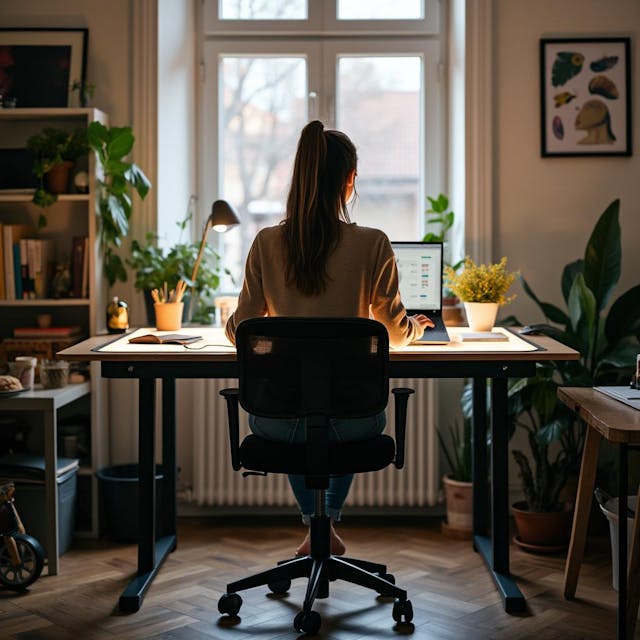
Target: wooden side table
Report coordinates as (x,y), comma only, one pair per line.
(620,424)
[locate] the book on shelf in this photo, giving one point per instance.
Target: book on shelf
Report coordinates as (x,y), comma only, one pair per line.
(167,338)
(3,293)
(78,253)
(46,332)
(11,236)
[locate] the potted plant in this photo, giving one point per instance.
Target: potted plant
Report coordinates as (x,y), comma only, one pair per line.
(55,151)
(607,335)
(440,219)
(113,198)
(458,487)
(157,268)
(482,288)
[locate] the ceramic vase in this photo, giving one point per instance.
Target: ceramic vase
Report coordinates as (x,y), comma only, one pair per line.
(481,316)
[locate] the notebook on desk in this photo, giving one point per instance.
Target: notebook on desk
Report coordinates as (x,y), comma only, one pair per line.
(420,280)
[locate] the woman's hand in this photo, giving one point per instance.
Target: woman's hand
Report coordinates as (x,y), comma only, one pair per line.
(423,321)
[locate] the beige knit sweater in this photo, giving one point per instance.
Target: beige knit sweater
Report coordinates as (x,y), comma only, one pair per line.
(363,283)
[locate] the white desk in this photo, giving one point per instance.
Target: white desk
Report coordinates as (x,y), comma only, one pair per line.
(217,359)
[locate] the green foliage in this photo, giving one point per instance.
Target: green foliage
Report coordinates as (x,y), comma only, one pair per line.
(153,266)
(459,455)
(481,282)
(51,147)
(606,333)
(113,202)
(438,215)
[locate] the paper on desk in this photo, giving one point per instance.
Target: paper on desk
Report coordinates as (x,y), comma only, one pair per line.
(630,397)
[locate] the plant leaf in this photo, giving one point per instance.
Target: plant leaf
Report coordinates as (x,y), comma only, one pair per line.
(582,307)
(603,256)
(624,316)
(569,274)
(550,311)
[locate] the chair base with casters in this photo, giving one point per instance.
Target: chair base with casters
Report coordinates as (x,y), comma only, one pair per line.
(341,373)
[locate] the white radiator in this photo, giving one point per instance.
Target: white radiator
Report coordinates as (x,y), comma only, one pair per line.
(215,483)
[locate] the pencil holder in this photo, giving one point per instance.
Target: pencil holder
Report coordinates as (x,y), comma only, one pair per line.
(168,315)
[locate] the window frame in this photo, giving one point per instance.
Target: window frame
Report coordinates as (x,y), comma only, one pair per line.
(321,45)
(322,19)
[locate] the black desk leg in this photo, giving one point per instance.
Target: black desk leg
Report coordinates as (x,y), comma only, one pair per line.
(151,552)
(479,461)
(622,540)
(169,506)
(495,551)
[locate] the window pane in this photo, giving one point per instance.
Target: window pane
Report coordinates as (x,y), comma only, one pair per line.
(263,9)
(380,10)
(263,109)
(379,107)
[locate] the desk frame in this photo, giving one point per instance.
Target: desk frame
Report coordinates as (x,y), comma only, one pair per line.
(490,536)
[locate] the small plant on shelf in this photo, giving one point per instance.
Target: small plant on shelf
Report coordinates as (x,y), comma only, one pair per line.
(55,152)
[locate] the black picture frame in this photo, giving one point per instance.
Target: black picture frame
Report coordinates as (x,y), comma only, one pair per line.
(38,67)
(585,90)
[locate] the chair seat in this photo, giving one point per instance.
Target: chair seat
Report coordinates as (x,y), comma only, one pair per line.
(259,454)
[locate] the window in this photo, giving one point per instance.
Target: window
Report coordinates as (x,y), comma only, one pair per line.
(273,65)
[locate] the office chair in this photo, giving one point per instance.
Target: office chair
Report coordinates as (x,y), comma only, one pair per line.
(316,368)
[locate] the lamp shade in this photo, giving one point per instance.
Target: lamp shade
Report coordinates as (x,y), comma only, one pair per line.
(222,216)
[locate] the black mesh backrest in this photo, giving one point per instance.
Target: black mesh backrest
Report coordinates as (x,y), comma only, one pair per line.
(294,367)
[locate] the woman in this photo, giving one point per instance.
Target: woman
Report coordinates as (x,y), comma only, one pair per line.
(317,263)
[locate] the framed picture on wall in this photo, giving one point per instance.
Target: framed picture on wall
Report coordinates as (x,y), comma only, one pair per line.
(38,67)
(585,96)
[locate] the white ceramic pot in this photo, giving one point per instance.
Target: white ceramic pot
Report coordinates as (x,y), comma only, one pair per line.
(481,316)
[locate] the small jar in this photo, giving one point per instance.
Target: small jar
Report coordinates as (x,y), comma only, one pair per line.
(117,316)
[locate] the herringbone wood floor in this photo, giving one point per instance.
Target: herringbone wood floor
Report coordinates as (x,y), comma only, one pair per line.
(452,594)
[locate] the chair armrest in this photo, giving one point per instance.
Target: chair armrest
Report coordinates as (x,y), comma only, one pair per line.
(231,397)
(401,399)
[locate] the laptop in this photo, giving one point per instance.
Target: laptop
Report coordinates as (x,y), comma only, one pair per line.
(420,279)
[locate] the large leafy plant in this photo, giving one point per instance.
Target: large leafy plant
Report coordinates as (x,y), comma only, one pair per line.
(119,176)
(604,331)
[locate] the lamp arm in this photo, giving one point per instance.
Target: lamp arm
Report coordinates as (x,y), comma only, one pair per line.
(196,266)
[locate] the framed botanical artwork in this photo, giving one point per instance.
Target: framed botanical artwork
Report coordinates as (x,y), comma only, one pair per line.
(38,67)
(585,96)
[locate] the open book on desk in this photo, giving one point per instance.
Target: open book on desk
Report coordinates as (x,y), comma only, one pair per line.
(167,338)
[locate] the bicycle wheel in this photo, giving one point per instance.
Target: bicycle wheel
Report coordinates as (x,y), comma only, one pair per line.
(31,562)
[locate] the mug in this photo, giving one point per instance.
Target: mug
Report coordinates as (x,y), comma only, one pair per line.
(24,368)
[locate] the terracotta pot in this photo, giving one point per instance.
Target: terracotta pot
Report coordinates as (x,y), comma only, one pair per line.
(57,178)
(481,316)
(459,501)
(542,529)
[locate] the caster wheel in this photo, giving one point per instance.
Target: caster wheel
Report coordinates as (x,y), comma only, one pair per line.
(309,623)
(389,577)
(229,603)
(280,586)
(402,609)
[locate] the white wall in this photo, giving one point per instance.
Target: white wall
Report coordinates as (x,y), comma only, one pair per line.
(546,207)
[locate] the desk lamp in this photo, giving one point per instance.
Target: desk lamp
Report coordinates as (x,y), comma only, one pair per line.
(222,217)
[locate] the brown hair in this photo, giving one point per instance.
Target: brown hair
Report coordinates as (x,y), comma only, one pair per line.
(316,204)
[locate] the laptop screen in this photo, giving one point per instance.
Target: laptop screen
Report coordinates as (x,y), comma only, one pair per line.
(419,274)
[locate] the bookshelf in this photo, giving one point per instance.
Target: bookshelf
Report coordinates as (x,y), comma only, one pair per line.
(72,215)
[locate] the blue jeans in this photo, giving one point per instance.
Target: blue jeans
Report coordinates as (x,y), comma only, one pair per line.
(294,430)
